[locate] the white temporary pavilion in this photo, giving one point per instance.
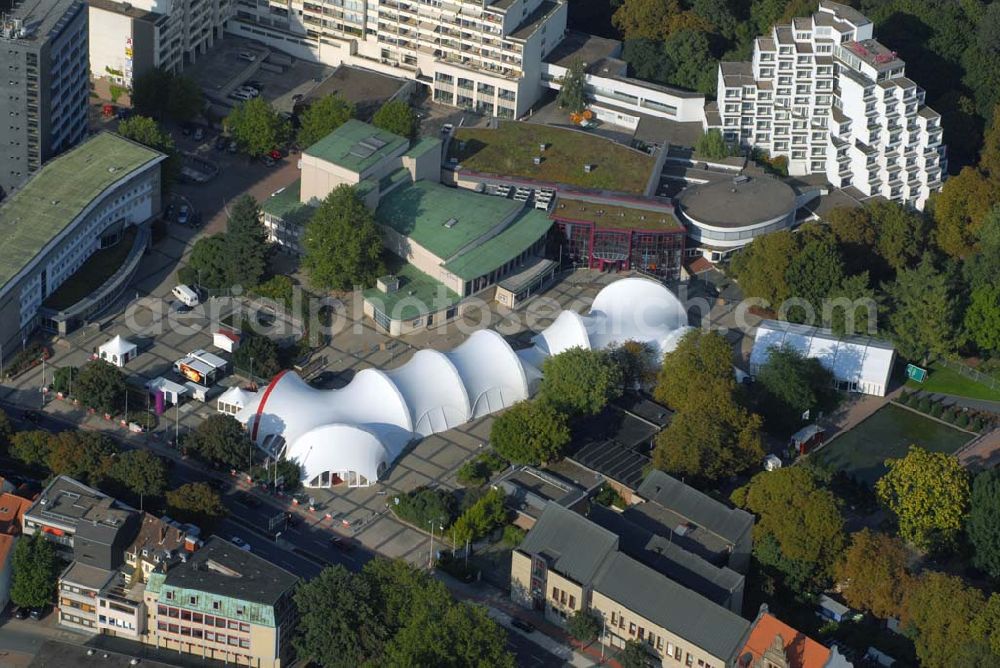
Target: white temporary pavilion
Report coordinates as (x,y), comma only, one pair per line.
(117,351)
(353,434)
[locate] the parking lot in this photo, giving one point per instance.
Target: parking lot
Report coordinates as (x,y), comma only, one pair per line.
(227,66)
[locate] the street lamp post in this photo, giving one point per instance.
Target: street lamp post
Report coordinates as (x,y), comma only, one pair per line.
(430,556)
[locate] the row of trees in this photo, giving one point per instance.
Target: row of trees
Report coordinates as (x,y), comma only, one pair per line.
(465,516)
(160,94)
(882,259)
(258,128)
(392,614)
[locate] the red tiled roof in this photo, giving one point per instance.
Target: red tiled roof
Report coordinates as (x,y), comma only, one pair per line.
(698,265)
(12,510)
(801,650)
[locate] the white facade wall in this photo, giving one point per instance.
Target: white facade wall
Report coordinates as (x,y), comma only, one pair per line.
(832,106)
(632,95)
(470,55)
(109,34)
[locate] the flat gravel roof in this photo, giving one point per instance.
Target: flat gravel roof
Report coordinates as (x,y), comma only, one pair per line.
(32,216)
(727,203)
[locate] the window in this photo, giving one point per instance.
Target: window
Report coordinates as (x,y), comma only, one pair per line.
(688,660)
(209,636)
(572,601)
(677,653)
(234,641)
(216,605)
(196,617)
(169,596)
(659,643)
(193,600)
(631,629)
(240,610)
(562,598)
(555,593)
(642,633)
(614,619)
(244,627)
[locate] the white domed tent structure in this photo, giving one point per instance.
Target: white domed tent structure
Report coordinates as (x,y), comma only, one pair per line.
(352,435)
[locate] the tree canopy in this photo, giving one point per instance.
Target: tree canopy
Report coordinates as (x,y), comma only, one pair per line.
(394,615)
(101,386)
(257,355)
(983,527)
(245,243)
(789,384)
(579,381)
(929,494)
(873,573)
(142,472)
(397,117)
(798,517)
(924,312)
(196,502)
(220,438)
(161,94)
(34,572)
(482,517)
(530,432)
(342,244)
(257,128)
(712,435)
(148,132)
(572,94)
(323,117)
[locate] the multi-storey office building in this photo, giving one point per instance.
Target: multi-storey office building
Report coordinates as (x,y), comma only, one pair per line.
(832,100)
(485,55)
(223,603)
(127,39)
(101,193)
(43,85)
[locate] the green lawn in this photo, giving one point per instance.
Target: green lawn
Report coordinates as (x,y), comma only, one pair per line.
(946,381)
(92,274)
(509,150)
(887,434)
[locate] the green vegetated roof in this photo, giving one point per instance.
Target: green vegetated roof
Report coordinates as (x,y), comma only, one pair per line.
(356,146)
(418,295)
(531,226)
(509,150)
(62,188)
(286,205)
(422,210)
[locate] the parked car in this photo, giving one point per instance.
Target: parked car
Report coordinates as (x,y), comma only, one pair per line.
(233,147)
(220,143)
(447,128)
(254,84)
(275,154)
(342,543)
(20,613)
(247,56)
(199,134)
(519,623)
(183,215)
(240,543)
(248,90)
(37,613)
(297,97)
(268,160)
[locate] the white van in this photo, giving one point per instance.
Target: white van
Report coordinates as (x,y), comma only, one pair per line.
(185,295)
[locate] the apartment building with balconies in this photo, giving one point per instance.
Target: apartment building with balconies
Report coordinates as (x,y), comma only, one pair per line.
(823,93)
(43,85)
(485,55)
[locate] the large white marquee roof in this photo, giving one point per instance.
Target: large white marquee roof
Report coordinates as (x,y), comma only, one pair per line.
(364,426)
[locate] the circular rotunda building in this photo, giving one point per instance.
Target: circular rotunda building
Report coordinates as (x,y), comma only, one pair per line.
(725,215)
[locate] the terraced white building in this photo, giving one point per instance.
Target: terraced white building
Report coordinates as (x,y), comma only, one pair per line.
(826,95)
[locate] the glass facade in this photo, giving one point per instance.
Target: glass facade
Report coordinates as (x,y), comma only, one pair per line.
(654,252)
